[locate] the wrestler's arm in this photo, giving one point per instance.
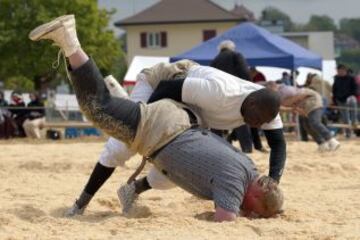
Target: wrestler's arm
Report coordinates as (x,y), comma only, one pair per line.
(295,100)
(222,215)
(168,89)
(276,141)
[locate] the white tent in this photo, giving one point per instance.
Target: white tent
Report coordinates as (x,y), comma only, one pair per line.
(139,63)
(62,101)
(271,73)
(328,72)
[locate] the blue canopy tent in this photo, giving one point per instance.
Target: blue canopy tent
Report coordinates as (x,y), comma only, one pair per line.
(259,47)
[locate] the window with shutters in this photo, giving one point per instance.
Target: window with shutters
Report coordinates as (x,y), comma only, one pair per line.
(153,39)
(208,34)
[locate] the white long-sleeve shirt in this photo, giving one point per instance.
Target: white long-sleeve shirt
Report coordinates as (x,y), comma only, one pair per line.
(219,97)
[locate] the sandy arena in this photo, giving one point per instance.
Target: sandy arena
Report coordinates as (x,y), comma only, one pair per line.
(40,181)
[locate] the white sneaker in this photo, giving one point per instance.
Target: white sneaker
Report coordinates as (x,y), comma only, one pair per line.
(114,87)
(333,144)
(75,210)
(127,196)
(324,147)
(62,31)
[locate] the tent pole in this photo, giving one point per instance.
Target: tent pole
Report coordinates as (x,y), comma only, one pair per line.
(297,123)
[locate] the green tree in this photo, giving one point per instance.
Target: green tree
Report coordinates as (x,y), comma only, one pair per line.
(274,14)
(320,23)
(20,83)
(350,26)
(22,57)
(351,58)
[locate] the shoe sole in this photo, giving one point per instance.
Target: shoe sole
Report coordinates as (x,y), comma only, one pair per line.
(336,148)
(44,29)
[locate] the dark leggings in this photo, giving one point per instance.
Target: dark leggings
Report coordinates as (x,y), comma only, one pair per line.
(243,134)
(256,138)
(97,178)
(118,114)
(118,117)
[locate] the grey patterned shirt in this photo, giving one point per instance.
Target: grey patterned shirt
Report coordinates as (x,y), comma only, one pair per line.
(207,166)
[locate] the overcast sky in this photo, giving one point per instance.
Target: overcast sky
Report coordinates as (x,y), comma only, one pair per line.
(299,10)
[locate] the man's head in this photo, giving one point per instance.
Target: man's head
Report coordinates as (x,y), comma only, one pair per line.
(263,198)
(227,44)
(285,75)
(260,107)
(342,70)
(16,97)
(34,96)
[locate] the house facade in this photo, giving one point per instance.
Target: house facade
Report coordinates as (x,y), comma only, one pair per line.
(171,27)
(321,43)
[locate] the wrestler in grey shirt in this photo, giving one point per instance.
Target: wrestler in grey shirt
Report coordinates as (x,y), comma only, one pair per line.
(222,175)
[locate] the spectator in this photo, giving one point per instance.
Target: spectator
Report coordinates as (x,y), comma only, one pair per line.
(285,79)
(344,96)
(6,123)
(35,117)
(3,102)
(357,80)
(230,61)
(256,76)
(293,77)
(18,112)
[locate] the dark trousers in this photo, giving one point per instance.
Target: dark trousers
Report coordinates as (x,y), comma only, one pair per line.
(313,125)
(118,117)
(243,135)
(256,139)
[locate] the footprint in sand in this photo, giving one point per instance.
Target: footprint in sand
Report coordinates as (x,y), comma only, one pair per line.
(4,221)
(111,204)
(56,167)
(139,212)
(28,213)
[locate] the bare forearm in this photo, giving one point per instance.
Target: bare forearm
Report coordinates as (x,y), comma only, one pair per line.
(222,215)
(294,101)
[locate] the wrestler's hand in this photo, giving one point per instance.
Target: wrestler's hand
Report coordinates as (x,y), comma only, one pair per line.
(299,111)
(223,215)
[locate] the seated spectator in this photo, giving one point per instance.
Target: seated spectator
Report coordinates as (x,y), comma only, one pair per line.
(5,127)
(18,112)
(35,119)
(256,76)
(3,102)
(285,79)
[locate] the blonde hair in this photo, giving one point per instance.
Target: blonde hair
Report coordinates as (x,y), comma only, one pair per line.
(273,198)
(227,44)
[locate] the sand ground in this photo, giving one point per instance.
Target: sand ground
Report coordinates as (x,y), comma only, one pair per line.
(39,181)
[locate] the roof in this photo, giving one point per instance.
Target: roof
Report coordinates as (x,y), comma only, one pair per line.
(243,12)
(259,47)
(184,11)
